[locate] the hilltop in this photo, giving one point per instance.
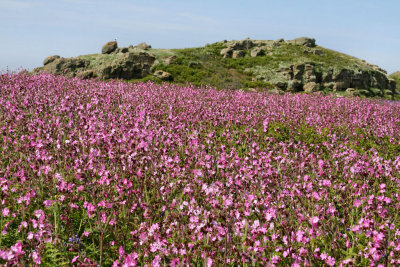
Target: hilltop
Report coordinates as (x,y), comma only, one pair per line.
(298,65)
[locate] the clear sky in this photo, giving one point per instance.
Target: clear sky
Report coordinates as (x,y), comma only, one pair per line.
(30,30)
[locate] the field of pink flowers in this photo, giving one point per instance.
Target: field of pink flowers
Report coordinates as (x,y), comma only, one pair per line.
(115,174)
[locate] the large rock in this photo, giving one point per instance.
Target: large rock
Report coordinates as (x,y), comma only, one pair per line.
(50,59)
(129,66)
(311,87)
(66,66)
(85,74)
(281,85)
(109,47)
(307,76)
(286,72)
(278,42)
(143,46)
(327,76)
(340,86)
(258,51)
(238,54)
(308,42)
(163,75)
(298,71)
(227,52)
(342,79)
(361,80)
(352,92)
(309,73)
(295,85)
(379,80)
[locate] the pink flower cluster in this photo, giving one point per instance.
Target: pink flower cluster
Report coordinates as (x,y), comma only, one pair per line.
(122,174)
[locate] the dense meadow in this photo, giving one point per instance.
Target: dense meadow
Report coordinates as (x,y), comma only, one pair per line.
(116,174)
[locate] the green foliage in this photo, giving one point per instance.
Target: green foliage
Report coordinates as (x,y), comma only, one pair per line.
(360,139)
(363,141)
(12,235)
(52,256)
(259,84)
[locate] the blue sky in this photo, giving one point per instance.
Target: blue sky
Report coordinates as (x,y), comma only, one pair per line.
(30,30)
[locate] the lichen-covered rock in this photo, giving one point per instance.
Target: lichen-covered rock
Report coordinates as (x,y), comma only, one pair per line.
(306,41)
(340,85)
(66,66)
(352,92)
(85,74)
(309,73)
(311,87)
(50,59)
(227,52)
(379,80)
(163,75)
(298,71)
(143,46)
(334,79)
(129,66)
(258,51)
(109,47)
(238,54)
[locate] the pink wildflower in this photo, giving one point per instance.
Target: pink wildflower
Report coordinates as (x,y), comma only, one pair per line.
(314,221)
(357,203)
(6,212)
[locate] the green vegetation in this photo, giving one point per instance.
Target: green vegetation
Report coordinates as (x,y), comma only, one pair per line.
(205,65)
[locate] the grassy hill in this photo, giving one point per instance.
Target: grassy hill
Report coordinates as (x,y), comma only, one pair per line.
(396,76)
(280,66)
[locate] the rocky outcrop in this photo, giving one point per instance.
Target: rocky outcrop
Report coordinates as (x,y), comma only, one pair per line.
(311,87)
(109,47)
(50,59)
(85,74)
(66,66)
(163,75)
(305,41)
(258,51)
(305,76)
(122,50)
(295,65)
(258,46)
(238,53)
(129,66)
(125,66)
(237,49)
(227,52)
